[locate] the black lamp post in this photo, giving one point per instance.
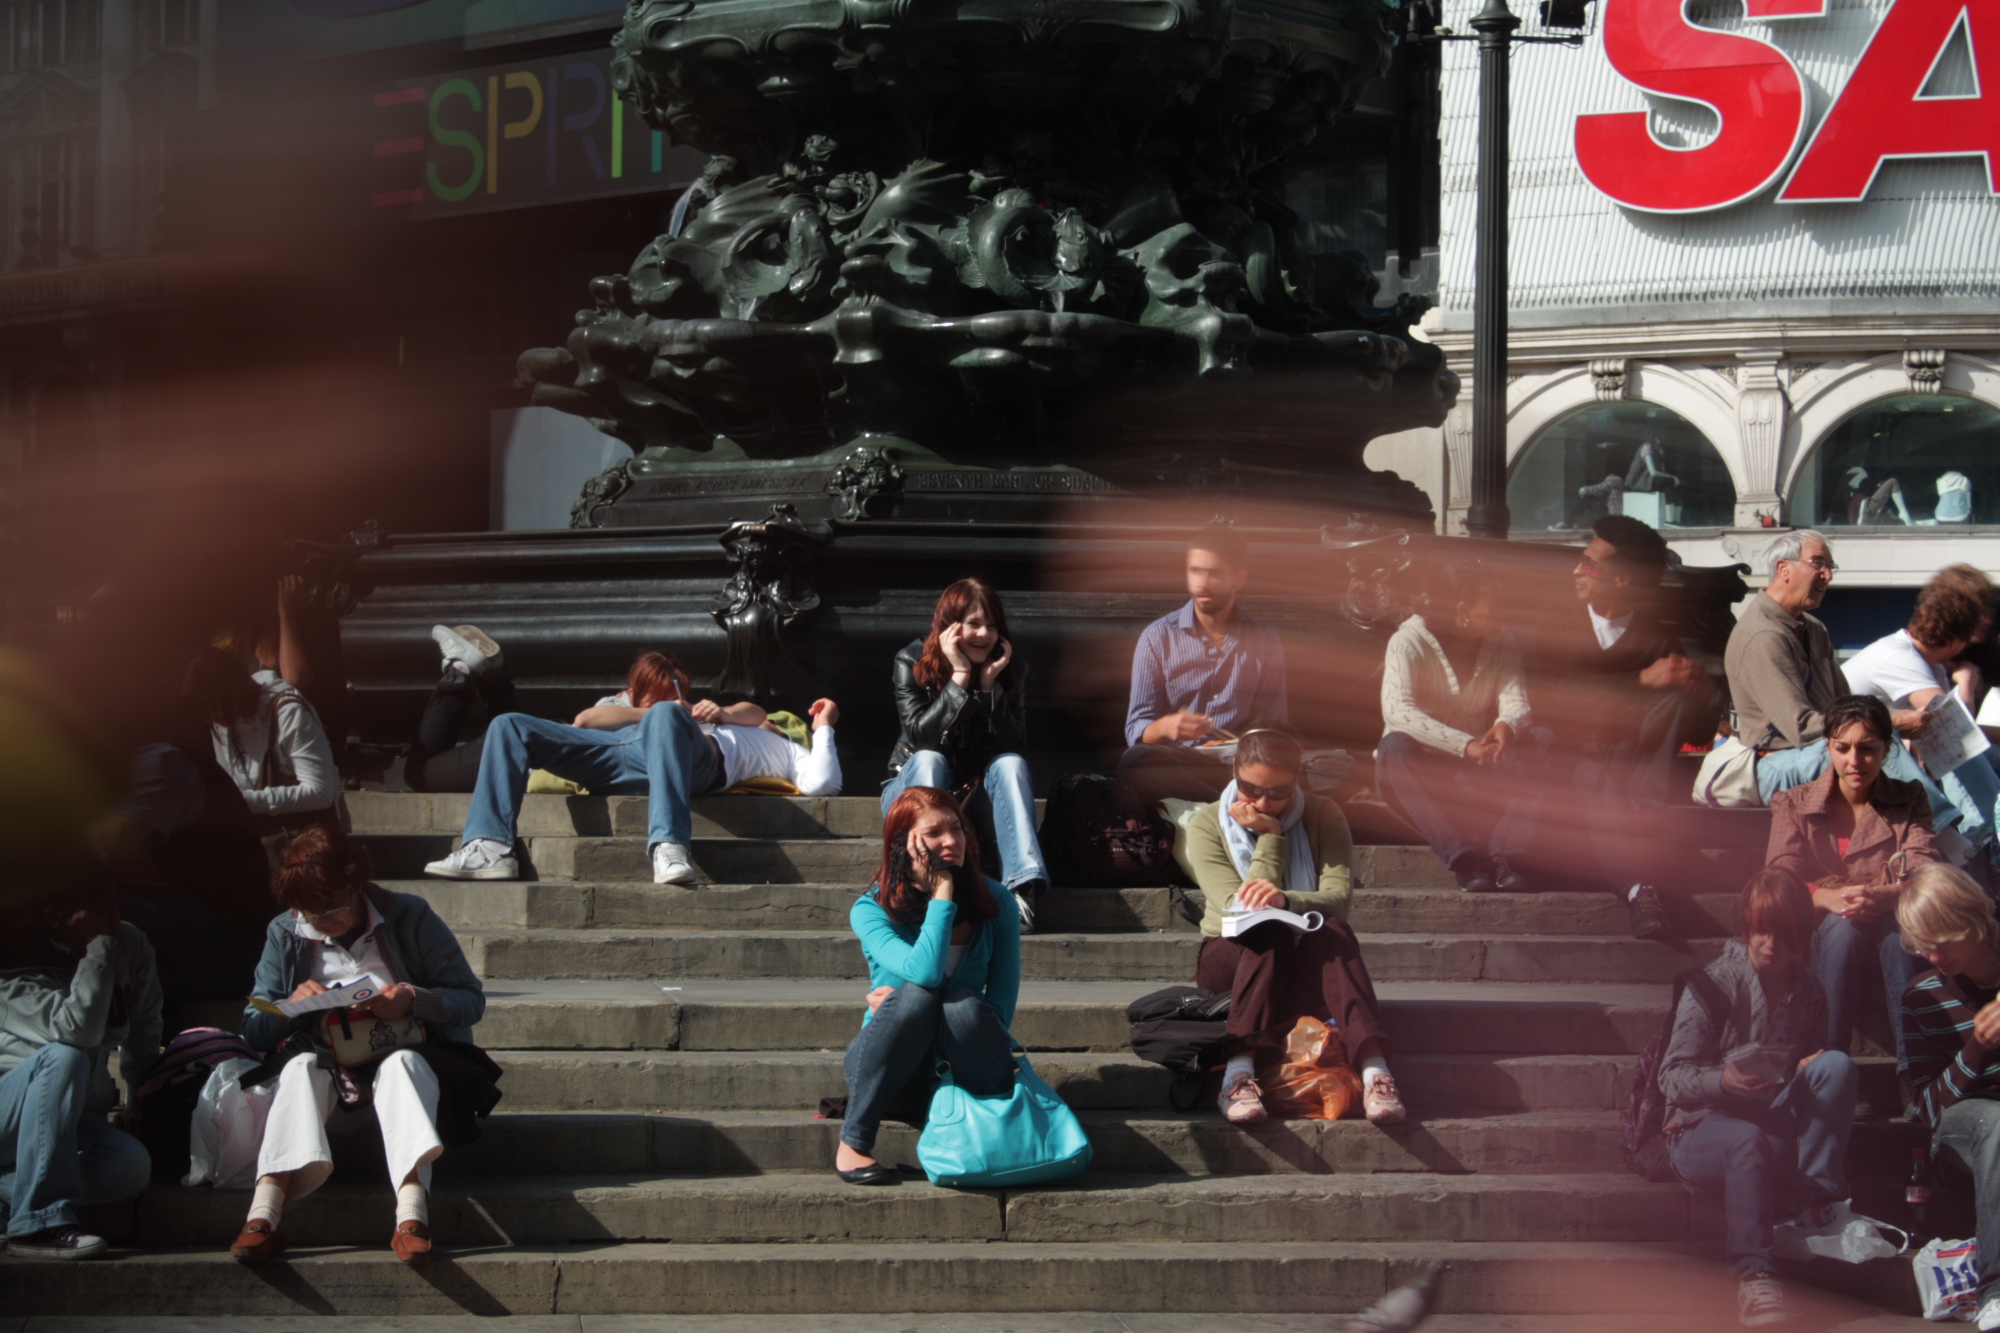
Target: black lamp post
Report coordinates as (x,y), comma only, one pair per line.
(1564,22)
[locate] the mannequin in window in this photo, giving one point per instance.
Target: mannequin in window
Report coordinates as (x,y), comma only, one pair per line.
(1954,503)
(1648,471)
(1870,507)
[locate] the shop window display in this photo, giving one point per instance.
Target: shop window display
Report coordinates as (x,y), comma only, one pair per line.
(1917,460)
(1621,458)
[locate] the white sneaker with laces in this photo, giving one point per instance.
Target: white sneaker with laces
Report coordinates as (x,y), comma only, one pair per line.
(671,864)
(1989,1315)
(1760,1301)
(466,648)
(1242,1101)
(481,858)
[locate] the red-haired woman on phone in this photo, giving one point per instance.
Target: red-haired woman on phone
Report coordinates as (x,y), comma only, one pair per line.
(961,698)
(943,944)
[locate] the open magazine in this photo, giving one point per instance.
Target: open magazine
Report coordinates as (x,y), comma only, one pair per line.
(1235,922)
(343,996)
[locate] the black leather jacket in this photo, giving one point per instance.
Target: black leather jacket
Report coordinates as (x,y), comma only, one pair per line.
(968,727)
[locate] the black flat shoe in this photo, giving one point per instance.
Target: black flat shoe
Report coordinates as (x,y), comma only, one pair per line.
(873,1174)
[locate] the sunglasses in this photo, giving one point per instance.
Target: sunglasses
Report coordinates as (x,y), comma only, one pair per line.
(1252,792)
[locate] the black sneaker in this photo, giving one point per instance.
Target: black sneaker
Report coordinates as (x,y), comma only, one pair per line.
(58,1243)
(1509,880)
(1026,898)
(1473,875)
(1649,916)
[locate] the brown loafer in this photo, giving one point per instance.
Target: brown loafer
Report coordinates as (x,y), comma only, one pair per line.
(412,1243)
(258,1241)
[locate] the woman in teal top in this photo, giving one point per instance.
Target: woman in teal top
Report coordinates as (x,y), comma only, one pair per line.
(944,960)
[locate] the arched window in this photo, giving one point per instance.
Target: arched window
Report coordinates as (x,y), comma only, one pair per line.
(1918,459)
(1611,458)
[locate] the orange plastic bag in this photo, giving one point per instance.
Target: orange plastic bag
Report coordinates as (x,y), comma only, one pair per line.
(1314,1083)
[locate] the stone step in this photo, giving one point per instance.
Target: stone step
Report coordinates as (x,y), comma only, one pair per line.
(1433,1018)
(1140,957)
(727,1081)
(1161,1143)
(565,905)
(379,812)
(1511,1278)
(816,1207)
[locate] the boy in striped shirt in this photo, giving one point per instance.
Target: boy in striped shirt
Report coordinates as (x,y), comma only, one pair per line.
(1951,1024)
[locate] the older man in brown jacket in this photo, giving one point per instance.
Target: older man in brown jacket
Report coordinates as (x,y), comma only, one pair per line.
(1783,675)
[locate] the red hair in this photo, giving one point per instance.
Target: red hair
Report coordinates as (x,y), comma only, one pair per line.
(897,889)
(958,602)
(320,870)
(656,677)
(1777,902)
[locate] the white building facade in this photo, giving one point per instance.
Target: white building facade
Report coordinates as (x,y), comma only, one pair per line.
(1755,283)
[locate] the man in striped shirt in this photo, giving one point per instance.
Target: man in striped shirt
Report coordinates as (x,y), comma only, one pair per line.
(1951,1026)
(1200,674)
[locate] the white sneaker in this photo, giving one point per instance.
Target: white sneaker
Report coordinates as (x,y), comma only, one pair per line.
(671,864)
(481,858)
(1760,1300)
(466,648)
(1989,1315)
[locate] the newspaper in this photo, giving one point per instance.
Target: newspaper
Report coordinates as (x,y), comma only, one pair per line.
(1950,737)
(344,996)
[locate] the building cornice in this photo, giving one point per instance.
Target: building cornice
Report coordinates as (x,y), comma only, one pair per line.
(1847,335)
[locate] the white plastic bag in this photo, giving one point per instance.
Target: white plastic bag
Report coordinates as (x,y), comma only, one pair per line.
(1948,1280)
(228,1128)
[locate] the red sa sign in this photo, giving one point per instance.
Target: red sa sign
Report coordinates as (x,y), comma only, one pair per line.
(1757,94)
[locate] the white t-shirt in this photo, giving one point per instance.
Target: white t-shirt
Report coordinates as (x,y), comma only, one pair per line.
(1608,631)
(754,752)
(1892,669)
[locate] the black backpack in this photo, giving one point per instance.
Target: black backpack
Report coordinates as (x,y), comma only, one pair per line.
(1181,1027)
(163,1106)
(1098,832)
(1647,1152)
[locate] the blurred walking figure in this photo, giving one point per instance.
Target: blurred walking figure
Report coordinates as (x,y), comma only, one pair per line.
(1853,834)
(961,696)
(1454,707)
(1199,675)
(1951,1015)
(1627,700)
(1269,843)
(1782,672)
(1757,1110)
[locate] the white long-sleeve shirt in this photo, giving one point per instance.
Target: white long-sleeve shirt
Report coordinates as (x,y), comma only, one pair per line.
(758,752)
(1423,697)
(302,776)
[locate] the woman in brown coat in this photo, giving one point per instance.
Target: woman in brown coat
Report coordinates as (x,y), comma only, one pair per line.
(1854,835)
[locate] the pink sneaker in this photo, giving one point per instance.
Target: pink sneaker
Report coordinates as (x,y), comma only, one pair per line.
(1242,1102)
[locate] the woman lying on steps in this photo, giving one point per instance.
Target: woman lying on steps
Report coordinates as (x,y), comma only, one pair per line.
(1270,843)
(943,944)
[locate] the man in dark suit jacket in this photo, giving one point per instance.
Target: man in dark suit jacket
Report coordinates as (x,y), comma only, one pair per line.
(1627,700)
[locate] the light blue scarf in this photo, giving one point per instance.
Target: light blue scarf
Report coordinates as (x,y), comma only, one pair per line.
(1301,866)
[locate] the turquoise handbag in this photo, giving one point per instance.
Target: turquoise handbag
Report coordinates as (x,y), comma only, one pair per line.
(1025,1138)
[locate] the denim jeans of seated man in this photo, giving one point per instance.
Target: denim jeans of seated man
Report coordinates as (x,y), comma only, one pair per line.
(914,1028)
(1969,1131)
(665,755)
(52,1159)
(1769,1162)
(1007,794)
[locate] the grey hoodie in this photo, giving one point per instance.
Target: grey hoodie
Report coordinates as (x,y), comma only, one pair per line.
(111,997)
(1691,1072)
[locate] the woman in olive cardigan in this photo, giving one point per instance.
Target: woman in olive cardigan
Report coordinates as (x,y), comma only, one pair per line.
(1269,843)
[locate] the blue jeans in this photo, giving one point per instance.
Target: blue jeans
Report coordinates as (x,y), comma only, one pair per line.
(1781,770)
(1007,793)
(1841,961)
(664,754)
(1970,1131)
(57,1161)
(1769,1162)
(1452,801)
(890,1062)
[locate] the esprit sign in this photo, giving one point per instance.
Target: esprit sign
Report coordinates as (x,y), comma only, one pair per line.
(1757,94)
